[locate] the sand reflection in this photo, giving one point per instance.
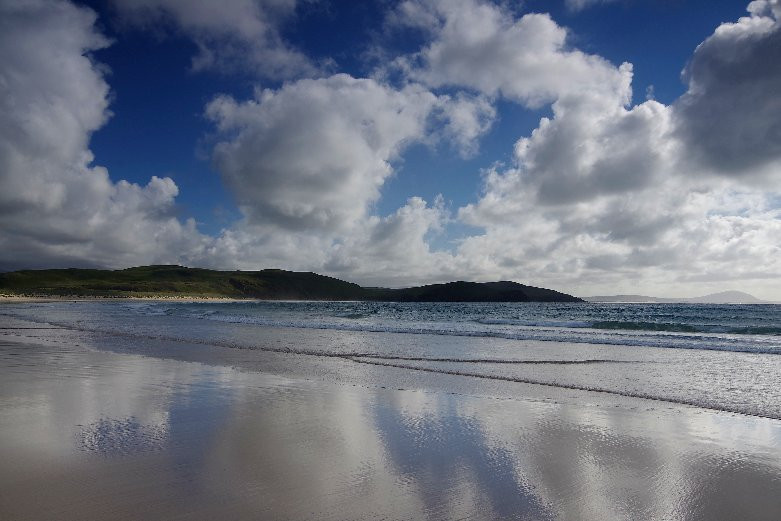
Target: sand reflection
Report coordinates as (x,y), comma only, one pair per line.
(87,434)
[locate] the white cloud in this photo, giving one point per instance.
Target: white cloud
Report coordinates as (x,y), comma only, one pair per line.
(234,35)
(395,250)
(644,198)
(670,238)
(306,161)
(603,195)
(578,5)
(314,154)
(730,117)
(465,119)
(391,250)
(589,150)
(481,46)
(55,207)
(309,158)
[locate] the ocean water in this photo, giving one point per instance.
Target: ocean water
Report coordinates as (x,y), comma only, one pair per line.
(718,357)
(298,410)
(87,434)
(745,328)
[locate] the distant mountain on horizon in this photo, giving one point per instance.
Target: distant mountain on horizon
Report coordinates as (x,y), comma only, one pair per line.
(722,297)
(268,284)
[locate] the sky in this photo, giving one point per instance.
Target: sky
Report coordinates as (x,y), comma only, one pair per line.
(590,146)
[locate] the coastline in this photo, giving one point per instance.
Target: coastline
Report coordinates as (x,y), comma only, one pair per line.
(78,298)
(126,424)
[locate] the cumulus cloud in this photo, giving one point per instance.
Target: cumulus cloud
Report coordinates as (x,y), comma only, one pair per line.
(395,250)
(391,250)
(673,233)
(601,194)
(465,119)
(308,158)
(314,154)
(235,35)
(306,161)
(579,5)
(605,195)
(730,117)
(588,150)
(55,206)
(481,46)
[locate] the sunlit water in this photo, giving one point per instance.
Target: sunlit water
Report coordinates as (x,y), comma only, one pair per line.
(722,357)
(749,328)
(87,433)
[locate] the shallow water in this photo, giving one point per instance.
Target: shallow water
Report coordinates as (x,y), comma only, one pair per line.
(745,378)
(749,328)
(91,434)
(111,414)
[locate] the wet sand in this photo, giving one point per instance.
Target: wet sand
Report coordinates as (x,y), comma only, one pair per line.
(89,429)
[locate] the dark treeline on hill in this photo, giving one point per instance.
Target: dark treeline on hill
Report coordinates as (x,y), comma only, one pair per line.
(476,292)
(270,284)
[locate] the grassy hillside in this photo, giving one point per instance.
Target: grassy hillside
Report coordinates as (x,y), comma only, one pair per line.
(147,281)
(178,281)
(477,292)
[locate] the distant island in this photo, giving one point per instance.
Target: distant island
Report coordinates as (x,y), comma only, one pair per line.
(723,297)
(269,284)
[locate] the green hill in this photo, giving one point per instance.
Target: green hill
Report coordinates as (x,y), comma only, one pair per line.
(179,281)
(461,291)
(271,284)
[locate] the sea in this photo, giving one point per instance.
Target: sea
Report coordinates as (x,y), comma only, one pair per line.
(722,357)
(127,409)
(746,328)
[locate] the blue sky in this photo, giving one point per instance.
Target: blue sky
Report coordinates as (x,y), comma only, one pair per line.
(555,143)
(158,104)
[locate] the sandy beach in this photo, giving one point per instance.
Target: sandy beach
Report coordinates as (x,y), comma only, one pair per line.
(106,426)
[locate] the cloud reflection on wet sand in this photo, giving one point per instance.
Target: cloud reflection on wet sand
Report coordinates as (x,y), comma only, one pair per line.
(97,435)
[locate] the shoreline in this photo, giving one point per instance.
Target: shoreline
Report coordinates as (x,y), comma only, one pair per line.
(346,354)
(217,437)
